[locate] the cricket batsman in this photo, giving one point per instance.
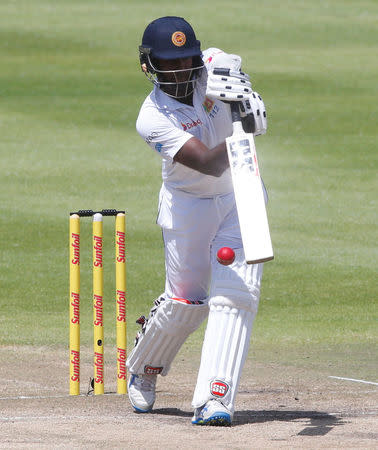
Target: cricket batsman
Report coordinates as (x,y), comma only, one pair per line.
(186,119)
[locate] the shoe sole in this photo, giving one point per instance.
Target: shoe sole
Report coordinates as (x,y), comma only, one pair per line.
(138,410)
(216,420)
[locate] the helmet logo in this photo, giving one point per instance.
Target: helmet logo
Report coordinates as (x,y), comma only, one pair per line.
(178,38)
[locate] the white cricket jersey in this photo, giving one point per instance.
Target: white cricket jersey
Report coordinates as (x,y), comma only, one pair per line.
(166,125)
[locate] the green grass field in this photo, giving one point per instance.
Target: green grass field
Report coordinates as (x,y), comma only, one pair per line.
(70,91)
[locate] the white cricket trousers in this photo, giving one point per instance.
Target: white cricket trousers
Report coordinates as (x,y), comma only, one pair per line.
(193,229)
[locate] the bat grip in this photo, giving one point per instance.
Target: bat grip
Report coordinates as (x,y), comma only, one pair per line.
(235,111)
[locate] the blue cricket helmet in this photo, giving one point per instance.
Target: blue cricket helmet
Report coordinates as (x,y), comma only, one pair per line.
(170,38)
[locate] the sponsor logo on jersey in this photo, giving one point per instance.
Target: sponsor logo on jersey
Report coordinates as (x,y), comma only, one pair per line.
(151,137)
(208,104)
(219,388)
(188,125)
(178,38)
(210,107)
(152,370)
(158,147)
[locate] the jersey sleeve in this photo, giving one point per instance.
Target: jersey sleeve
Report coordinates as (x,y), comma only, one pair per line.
(160,133)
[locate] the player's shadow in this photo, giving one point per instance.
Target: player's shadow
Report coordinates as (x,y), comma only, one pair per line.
(315,423)
(172,412)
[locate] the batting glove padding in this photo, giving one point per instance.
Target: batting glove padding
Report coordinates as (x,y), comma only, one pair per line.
(228,85)
(254,106)
(218,58)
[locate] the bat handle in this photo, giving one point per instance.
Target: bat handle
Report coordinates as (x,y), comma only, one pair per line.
(235,111)
(235,117)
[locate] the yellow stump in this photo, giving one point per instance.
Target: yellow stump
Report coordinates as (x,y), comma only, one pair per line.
(98,294)
(120,261)
(74,304)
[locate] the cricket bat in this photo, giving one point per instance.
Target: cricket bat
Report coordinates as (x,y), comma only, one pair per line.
(248,191)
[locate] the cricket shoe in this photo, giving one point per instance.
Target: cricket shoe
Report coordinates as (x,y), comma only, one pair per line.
(141,392)
(212,413)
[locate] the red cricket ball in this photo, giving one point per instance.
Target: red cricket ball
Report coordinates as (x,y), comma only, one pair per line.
(225,256)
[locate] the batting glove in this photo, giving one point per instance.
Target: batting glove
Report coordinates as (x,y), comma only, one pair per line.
(254,107)
(228,85)
(218,58)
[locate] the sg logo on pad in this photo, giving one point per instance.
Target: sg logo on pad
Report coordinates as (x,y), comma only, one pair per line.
(219,388)
(152,370)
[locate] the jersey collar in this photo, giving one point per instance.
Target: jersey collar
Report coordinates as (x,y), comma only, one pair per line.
(164,101)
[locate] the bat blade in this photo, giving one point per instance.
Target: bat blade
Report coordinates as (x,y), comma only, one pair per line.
(249,196)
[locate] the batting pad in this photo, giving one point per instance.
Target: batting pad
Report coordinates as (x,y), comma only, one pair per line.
(234,299)
(173,321)
(224,352)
